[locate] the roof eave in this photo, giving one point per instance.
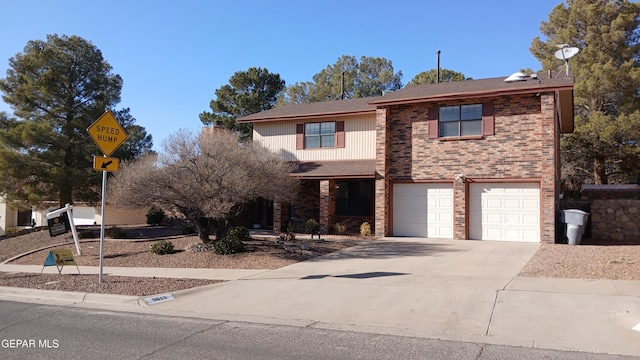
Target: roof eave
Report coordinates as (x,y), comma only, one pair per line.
(332,177)
(466,95)
(565,111)
(310,116)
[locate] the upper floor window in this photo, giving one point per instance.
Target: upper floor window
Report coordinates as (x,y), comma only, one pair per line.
(460,120)
(320,135)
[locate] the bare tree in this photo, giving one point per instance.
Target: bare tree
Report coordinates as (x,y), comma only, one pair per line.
(203,177)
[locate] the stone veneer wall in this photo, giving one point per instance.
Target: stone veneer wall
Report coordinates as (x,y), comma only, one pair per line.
(615,210)
(615,219)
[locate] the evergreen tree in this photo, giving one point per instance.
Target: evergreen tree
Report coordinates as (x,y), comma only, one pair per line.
(248,92)
(56,89)
(603,148)
(346,79)
(431,77)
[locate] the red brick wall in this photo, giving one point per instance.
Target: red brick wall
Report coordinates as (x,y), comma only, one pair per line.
(382,191)
(522,149)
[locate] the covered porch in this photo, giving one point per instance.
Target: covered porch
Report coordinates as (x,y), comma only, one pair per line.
(331,192)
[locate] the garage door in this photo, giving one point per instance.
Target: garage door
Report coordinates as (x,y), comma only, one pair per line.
(506,212)
(423,210)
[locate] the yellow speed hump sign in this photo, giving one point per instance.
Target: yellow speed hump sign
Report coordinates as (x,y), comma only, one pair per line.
(107,133)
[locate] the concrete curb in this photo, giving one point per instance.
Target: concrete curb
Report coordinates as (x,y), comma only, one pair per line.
(67,297)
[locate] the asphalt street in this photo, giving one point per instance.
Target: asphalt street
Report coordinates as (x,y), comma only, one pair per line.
(33,331)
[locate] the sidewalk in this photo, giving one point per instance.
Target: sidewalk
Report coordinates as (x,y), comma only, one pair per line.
(454,290)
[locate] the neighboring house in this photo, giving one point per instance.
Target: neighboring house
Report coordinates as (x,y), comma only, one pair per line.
(11,218)
(475,159)
(82,215)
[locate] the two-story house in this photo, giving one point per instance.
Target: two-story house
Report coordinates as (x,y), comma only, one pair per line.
(476,159)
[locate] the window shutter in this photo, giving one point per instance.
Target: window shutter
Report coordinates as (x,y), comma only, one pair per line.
(340,134)
(299,136)
(487,119)
(432,121)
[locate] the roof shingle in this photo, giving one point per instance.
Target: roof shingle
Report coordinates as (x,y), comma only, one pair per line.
(410,94)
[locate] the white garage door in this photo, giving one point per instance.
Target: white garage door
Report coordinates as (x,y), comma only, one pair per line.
(507,212)
(423,210)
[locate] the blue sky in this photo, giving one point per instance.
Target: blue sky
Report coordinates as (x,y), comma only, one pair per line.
(173,55)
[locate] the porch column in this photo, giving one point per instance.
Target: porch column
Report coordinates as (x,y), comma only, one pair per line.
(277,217)
(327,204)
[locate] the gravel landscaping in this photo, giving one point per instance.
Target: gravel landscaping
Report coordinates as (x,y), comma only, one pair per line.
(591,260)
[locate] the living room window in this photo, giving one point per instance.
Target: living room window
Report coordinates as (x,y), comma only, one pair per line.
(460,120)
(354,198)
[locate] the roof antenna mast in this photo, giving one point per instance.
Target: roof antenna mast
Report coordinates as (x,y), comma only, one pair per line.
(438,68)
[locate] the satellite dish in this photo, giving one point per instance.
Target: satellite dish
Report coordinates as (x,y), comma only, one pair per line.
(566,53)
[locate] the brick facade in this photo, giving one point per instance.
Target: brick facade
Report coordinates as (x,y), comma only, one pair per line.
(523,149)
(519,143)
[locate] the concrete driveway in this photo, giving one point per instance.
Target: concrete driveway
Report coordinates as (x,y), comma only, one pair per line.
(422,287)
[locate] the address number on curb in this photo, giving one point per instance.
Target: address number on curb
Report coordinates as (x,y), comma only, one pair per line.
(159,298)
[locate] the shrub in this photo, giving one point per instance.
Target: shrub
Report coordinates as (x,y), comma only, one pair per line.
(162,247)
(155,216)
(340,228)
(116,233)
(239,232)
(365,229)
(291,227)
(311,226)
(228,245)
(233,242)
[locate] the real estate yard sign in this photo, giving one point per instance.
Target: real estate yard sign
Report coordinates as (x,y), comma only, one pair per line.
(59,258)
(60,221)
(59,225)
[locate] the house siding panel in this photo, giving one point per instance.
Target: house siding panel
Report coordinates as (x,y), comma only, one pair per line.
(359,139)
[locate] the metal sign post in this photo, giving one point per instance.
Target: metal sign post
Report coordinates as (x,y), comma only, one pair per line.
(104,189)
(107,133)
